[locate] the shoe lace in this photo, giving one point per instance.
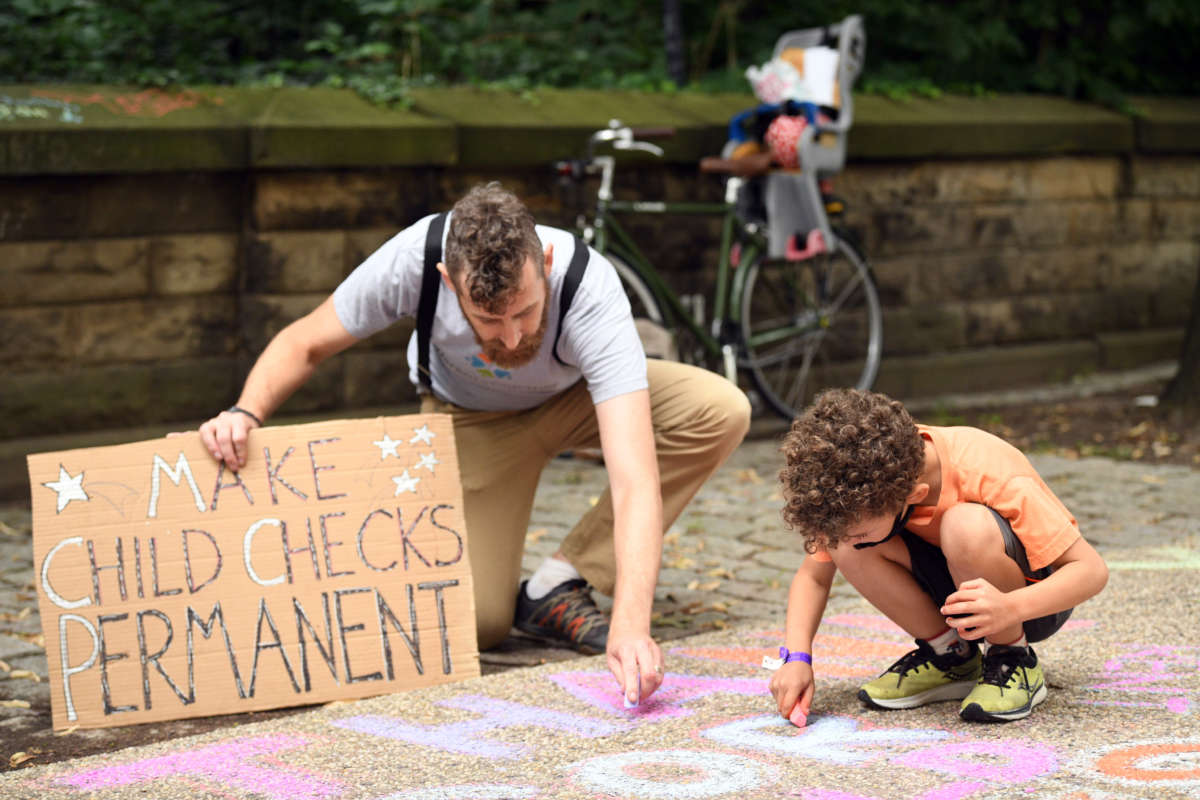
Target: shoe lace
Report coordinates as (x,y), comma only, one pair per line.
(911,660)
(579,616)
(998,667)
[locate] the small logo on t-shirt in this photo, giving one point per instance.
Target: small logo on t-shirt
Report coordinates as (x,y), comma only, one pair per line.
(485,367)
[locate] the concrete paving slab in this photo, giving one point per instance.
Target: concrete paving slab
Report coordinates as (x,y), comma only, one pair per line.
(1120,721)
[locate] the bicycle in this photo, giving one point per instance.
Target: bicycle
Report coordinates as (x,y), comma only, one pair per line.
(797,325)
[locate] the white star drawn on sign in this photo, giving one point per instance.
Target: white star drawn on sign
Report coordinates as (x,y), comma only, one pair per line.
(387,447)
(428,461)
(405,483)
(68,488)
(423,435)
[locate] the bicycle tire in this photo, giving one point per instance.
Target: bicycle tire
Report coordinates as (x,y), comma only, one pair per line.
(831,303)
(648,314)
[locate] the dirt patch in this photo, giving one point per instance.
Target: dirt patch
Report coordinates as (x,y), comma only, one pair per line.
(1117,426)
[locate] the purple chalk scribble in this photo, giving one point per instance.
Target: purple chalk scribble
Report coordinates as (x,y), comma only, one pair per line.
(473,736)
(226,765)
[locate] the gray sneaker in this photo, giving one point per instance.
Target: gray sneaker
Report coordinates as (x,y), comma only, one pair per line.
(566,616)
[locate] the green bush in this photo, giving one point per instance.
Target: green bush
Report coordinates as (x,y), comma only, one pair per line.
(1084,48)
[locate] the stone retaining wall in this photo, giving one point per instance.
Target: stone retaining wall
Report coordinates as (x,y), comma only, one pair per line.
(151,244)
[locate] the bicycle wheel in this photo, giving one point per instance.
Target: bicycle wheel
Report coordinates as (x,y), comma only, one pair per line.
(648,315)
(810,325)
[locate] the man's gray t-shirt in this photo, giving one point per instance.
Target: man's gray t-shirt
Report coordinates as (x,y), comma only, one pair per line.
(598,343)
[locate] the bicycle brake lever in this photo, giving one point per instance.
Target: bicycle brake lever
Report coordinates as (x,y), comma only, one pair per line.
(643,146)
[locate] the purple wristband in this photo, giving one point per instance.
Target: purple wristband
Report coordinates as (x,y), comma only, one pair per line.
(787,656)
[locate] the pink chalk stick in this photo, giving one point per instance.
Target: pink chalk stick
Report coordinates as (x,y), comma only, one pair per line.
(798,717)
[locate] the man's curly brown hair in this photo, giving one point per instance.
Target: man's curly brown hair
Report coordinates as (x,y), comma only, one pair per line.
(491,235)
(850,455)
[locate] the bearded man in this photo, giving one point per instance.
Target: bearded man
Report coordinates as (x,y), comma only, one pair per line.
(531,347)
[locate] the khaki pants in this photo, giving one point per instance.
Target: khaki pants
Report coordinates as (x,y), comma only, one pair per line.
(699,418)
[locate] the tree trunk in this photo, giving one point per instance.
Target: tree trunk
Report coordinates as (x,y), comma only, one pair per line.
(673,38)
(1183,392)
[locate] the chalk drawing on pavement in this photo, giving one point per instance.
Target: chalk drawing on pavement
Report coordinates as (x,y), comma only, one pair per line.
(670,774)
(246,764)
(1148,763)
(1165,677)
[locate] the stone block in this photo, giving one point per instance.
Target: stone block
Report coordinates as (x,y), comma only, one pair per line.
(1080,178)
(1069,268)
(1170,265)
(360,244)
(966,274)
(986,369)
(1066,222)
(895,278)
(321,392)
(924,328)
(262,316)
(37,336)
(294,263)
(81,398)
(377,378)
(169,328)
(187,202)
(1177,218)
(1165,176)
(69,271)
(1133,349)
(41,207)
(195,264)
(339,199)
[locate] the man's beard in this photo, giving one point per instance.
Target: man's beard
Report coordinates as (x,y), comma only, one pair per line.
(526,349)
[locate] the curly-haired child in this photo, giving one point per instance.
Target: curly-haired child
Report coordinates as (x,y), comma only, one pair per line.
(951,533)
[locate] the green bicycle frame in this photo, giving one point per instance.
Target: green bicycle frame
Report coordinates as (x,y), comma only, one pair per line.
(608,234)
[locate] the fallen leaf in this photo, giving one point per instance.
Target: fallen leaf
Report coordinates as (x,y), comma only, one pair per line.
(719,606)
(691,587)
(25,612)
(4,666)
(14,704)
(26,674)
(1152,479)
(1138,430)
(533,536)
(749,475)
(719,624)
(720,572)
(708,587)
(8,530)
(67,732)
(593,500)
(17,759)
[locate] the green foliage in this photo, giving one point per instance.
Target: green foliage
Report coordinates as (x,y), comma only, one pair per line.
(1091,49)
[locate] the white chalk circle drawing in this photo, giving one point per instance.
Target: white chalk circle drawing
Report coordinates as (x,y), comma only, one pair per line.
(647,775)
(1146,764)
(468,791)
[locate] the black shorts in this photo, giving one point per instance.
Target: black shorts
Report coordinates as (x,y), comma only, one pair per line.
(930,570)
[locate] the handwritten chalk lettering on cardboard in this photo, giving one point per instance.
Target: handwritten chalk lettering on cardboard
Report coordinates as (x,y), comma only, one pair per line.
(332,566)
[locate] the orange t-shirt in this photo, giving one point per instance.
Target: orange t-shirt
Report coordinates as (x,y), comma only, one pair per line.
(978,467)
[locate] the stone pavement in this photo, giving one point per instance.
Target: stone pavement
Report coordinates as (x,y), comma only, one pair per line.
(1121,721)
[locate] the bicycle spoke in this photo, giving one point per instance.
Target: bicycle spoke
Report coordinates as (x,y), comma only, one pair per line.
(799,342)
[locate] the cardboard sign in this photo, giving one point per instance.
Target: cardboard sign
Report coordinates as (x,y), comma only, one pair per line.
(332,566)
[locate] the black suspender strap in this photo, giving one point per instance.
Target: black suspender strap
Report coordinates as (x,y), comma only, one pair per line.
(575,270)
(431,281)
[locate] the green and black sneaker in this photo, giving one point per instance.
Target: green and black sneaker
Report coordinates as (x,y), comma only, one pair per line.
(1012,684)
(922,676)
